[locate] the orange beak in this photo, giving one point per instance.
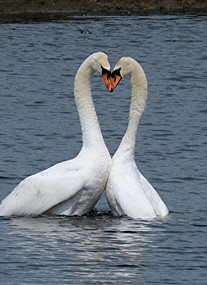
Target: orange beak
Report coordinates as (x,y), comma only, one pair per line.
(116,81)
(107,80)
(117,77)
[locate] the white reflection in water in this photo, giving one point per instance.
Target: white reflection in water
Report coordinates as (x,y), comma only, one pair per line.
(95,238)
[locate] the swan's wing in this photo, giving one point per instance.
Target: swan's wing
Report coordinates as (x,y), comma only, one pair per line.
(154,198)
(39,192)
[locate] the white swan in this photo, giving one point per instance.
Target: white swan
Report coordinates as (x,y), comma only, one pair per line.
(127,190)
(71,187)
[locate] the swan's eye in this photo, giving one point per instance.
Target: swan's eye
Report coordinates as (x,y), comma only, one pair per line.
(106,72)
(116,74)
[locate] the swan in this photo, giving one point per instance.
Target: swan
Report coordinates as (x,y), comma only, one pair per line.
(128,192)
(74,186)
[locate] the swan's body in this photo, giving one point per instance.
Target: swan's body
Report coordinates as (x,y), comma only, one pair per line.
(127,190)
(71,187)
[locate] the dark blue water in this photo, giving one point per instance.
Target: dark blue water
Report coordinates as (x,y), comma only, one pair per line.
(39,127)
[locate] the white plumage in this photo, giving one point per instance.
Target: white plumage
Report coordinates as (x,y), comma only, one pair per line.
(128,191)
(71,187)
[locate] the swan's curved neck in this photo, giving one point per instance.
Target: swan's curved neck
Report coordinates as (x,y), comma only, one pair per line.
(137,106)
(91,132)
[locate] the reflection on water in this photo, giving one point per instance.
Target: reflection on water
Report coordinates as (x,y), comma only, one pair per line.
(39,127)
(86,248)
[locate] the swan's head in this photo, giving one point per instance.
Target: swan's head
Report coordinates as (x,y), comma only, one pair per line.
(123,67)
(100,64)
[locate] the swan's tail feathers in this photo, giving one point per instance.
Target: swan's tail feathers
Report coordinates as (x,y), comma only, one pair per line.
(154,198)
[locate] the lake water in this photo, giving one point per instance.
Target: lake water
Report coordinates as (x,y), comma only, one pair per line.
(39,127)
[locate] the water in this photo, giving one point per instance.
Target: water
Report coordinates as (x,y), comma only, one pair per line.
(39,127)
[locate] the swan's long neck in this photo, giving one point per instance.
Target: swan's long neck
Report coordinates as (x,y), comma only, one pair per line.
(137,106)
(91,132)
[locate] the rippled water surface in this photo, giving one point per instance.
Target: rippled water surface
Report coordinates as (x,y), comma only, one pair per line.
(39,127)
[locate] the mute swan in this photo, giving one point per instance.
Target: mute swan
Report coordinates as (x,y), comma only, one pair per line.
(71,187)
(128,192)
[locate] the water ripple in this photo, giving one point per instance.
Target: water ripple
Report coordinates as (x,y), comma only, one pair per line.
(40,127)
